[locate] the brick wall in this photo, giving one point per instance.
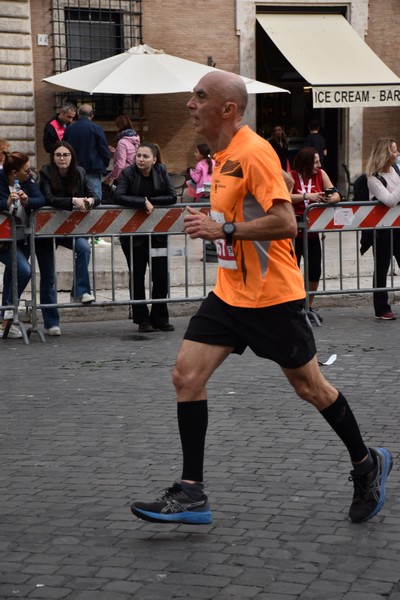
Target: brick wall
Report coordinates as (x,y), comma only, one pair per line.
(194,30)
(383,30)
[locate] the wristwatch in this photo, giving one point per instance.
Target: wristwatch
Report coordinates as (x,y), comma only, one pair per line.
(229,229)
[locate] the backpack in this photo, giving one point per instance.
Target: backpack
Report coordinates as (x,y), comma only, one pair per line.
(360,188)
(361,194)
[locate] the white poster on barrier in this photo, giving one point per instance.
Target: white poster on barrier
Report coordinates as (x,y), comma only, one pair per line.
(343,216)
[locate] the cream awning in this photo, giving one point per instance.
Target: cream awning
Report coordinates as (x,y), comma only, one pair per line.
(329,54)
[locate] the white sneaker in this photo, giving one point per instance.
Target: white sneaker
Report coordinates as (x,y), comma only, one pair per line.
(13,332)
(55,330)
(86,297)
(101,242)
(8,315)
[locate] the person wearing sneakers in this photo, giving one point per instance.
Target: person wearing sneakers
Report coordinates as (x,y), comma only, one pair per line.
(384,185)
(66,187)
(258,301)
(92,152)
(146,184)
(16,167)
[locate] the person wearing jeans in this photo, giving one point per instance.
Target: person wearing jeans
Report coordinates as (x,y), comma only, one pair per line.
(92,151)
(66,187)
(23,270)
(19,203)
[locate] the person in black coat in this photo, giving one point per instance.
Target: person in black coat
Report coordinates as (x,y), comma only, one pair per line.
(91,147)
(144,185)
(65,186)
(279,143)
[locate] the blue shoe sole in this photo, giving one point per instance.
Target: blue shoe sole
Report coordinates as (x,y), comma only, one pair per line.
(387,467)
(191,518)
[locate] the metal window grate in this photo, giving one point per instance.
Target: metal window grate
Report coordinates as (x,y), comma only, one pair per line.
(88,30)
(85,31)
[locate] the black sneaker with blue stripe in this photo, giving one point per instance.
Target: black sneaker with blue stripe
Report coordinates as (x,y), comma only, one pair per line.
(369,488)
(181,503)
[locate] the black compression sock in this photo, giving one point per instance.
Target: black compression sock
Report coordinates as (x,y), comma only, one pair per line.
(193,421)
(366,466)
(340,417)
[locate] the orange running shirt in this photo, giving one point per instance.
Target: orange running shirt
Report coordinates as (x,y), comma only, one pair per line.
(247,178)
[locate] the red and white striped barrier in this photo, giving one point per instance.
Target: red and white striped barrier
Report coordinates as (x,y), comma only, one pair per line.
(109,221)
(112,221)
(324,218)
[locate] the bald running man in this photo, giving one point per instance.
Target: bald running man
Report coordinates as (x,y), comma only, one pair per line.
(258,301)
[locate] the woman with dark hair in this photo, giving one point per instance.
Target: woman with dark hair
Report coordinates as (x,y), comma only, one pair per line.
(127,144)
(384,185)
(279,143)
(201,174)
(311,184)
(16,167)
(66,187)
(144,185)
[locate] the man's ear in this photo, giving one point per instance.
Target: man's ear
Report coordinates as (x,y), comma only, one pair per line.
(229,108)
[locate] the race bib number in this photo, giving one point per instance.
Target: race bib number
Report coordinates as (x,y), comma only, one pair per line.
(226,256)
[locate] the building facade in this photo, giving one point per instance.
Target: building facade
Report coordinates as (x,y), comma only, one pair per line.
(44,37)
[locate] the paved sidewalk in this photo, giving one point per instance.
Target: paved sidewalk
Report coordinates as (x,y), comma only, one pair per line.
(88,423)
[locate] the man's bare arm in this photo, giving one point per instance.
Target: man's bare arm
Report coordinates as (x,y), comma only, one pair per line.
(288,180)
(277,224)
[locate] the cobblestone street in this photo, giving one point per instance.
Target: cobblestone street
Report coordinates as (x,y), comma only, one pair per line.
(88,423)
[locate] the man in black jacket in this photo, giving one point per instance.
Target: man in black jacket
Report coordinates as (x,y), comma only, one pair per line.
(91,147)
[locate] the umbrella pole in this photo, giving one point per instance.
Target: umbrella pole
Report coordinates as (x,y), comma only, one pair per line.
(141,117)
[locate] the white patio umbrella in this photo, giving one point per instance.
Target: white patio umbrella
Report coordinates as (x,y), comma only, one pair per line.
(142,70)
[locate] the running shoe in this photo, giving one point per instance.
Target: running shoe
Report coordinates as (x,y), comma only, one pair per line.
(369,489)
(102,243)
(14,331)
(388,316)
(181,503)
(84,299)
(55,330)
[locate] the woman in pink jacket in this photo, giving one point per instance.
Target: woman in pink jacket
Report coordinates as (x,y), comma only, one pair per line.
(201,175)
(127,145)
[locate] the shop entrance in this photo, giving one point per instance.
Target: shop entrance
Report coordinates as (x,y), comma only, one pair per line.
(293,111)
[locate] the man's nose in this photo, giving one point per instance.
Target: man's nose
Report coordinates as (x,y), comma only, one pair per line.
(190,104)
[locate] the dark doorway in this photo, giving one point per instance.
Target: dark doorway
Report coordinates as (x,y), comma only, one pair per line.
(293,111)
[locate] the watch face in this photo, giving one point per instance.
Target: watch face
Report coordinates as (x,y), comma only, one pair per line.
(229,228)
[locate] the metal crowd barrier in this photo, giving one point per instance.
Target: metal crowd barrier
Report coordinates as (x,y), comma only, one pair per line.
(340,221)
(8,231)
(112,222)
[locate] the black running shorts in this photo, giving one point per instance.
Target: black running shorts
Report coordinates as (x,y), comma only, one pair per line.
(280,333)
